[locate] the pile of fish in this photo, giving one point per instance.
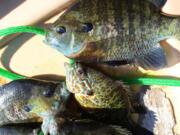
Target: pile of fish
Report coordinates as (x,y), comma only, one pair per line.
(103,105)
(107,32)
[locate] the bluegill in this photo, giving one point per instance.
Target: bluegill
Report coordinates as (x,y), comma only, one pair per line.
(30,100)
(112,32)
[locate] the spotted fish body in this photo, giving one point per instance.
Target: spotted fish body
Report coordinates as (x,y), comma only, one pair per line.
(30,100)
(95,90)
(102,98)
(112,31)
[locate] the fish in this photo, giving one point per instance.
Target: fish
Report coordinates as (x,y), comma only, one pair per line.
(33,100)
(112,32)
(78,127)
(158,3)
(93,89)
(102,98)
(90,127)
(28,129)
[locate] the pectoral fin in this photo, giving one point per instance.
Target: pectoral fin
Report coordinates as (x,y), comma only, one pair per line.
(154,60)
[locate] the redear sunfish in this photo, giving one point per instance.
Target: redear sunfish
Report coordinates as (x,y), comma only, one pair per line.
(114,31)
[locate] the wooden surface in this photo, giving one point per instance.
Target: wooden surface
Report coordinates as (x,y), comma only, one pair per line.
(160,115)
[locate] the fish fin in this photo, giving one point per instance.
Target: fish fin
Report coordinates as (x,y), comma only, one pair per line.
(158,3)
(139,109)
(154,60)
(119,130)
(138,130)
(169,15)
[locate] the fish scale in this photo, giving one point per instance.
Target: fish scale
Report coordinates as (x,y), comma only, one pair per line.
(111,101)
(107,93)
(33,100)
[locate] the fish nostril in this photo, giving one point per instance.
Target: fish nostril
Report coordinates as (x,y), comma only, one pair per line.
(60,29)
(80,72)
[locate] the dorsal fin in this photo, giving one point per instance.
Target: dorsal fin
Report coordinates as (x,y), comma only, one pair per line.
(158,3)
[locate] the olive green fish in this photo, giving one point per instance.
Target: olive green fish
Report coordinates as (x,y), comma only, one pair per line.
(28,129)
(30,100)
(112,32)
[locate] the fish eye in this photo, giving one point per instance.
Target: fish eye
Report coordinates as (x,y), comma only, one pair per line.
(48,93)
(80,71)
(87,27)
(89,92)
(27,108)
(61,29)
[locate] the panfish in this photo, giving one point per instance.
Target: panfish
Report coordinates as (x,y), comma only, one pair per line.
(113,32)
(89,127)
(93,89)
(102,98)
(31,100)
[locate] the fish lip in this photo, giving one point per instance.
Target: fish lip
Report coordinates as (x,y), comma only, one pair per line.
(67,65)
(55,44)
(47,36)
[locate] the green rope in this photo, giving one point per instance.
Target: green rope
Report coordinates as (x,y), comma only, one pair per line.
(41,133)
(128,80)
(149,81)
(19,29)
(71,61)
(10,75)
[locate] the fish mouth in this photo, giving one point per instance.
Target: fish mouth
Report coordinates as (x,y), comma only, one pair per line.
(65,43)
(67,65)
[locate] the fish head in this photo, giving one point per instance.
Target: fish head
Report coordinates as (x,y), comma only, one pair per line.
(77,34)
(78,80)
(47,99)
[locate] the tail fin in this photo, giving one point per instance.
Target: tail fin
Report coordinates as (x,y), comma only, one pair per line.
(138,130)
(117,130)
